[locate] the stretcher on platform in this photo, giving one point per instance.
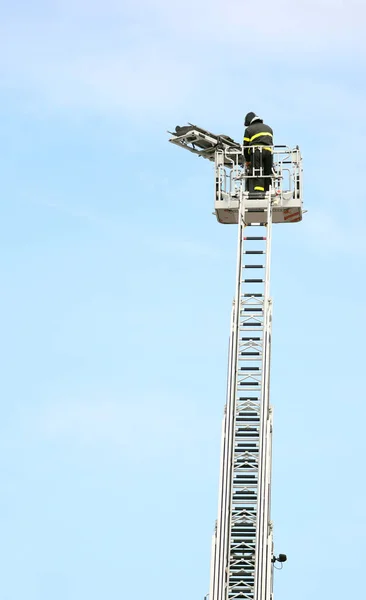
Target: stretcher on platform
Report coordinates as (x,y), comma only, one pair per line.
(203,142)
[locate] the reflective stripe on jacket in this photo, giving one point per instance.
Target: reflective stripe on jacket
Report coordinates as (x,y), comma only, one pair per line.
(258,134)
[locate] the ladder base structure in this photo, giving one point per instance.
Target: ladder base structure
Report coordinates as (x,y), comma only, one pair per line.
(242,558)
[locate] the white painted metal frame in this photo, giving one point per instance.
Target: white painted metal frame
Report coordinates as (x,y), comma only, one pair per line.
(241,563)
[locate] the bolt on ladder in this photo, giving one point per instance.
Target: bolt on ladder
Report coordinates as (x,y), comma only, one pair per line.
(241,561)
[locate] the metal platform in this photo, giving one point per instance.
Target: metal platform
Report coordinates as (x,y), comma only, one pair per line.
(285,190)
(285,209)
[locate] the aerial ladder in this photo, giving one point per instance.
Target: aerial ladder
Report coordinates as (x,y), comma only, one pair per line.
(242,556)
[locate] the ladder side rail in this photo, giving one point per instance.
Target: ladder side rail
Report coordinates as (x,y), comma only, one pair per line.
(215,551)
(233,383)
(266,412)
(222,520)
(212,564)
(267,528)
(225,514)
(270,552)
(262,511)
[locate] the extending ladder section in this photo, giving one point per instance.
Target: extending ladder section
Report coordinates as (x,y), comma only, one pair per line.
(241,562)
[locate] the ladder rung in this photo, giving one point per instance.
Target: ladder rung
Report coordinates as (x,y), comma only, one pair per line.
(253,266)
(252,238)
(253,295)
(248,445)
(250,412)
(250,353)
(251,324)
(249,383)
(253,309)
(253,281)
(254,252)
(248,429)
(251,339)
(250,368)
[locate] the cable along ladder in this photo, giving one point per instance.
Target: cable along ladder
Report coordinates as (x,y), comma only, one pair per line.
(242,557)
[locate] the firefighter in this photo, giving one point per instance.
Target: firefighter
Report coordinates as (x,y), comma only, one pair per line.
(258,142)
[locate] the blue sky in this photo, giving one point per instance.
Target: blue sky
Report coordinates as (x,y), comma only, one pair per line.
(117,284)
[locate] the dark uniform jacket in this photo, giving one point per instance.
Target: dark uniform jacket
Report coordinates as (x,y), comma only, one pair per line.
(257,134)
